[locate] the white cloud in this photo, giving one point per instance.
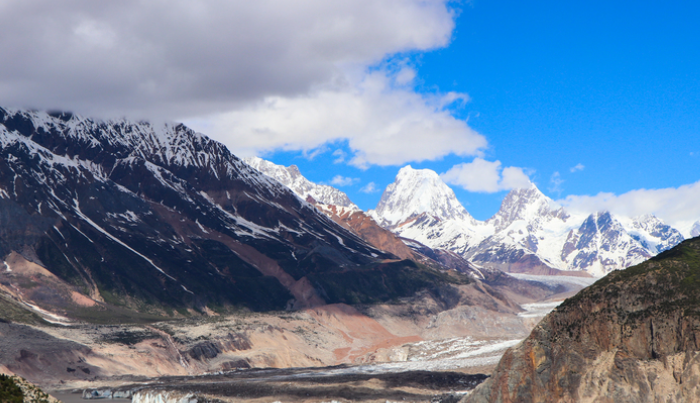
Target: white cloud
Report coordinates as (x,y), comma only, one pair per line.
(678,207)
(578,167)
(259,76)
(170,59)
(339,156)
(369,188)
(486,176)
(339,180)
(556,181)
(384,122)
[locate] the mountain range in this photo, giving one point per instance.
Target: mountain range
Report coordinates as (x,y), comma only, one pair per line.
(105,222)
(132,238)
(160,219)
(529,234)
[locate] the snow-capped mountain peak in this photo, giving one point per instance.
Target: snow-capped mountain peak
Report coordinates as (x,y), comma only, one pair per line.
(695,230)
(293,179)
(528,204)
(530,229)
(601,244)
(415,192)
(651,232)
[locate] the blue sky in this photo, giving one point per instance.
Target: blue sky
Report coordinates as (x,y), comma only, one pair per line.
(612,89)
(598,103)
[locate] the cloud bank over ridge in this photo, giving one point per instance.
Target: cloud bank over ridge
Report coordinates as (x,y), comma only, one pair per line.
(185,58)
(486,176)
(678,207)
(259,76)
(382,119)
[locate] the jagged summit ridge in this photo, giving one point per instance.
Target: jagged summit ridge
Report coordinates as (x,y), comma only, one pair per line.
(415,192)
(651,232)
(526,204)
(137,212)
(529,232)
(293,179)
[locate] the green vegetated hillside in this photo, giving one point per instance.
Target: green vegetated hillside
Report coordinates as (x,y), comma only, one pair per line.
(10,392)
(14,389)
(632,336)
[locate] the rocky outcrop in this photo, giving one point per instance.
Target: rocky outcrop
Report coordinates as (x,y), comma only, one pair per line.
(211,348)
(366,228)
(633,336)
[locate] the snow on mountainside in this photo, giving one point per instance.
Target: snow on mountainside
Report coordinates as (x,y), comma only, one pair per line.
(416,192)
(695,230)
(530,232)
(601,245)
(527,205)
(651,232)
(293,179)
(526,231)
(133,213)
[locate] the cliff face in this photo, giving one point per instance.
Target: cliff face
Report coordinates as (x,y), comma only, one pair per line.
(634,336)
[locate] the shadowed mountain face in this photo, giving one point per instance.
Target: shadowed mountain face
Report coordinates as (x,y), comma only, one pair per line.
(633,336)
(159,216)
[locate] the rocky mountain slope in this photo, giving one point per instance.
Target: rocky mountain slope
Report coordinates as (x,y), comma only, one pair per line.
(630,337)
(530,233)
(161,219)
(125,224)
(294,180)
(445,205)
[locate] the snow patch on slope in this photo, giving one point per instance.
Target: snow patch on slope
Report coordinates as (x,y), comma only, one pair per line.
(293,179)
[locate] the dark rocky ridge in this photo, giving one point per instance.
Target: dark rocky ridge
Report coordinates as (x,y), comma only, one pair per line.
(163,219)
(633,336)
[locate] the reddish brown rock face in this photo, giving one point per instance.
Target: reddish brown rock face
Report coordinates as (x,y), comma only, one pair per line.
(364,226)
(633,336)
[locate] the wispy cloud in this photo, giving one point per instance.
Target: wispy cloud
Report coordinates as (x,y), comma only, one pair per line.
(555,182)
(339,156)
(486,176)
(578,167)
(339,180)
(369,188)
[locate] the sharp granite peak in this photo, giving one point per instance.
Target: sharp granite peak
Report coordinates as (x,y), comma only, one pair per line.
(530,233)
(417,192)
(526,204)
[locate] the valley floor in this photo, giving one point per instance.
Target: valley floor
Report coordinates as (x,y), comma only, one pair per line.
(414,351)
